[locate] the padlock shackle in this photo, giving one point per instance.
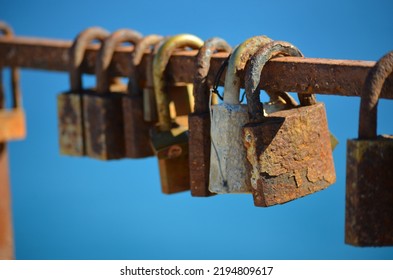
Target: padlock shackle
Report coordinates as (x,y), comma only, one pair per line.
(8,32)
(201,88)
(237,62)
(146,43)
(254,70)
(160,62)
(77,53)
(370,95)
(106,52)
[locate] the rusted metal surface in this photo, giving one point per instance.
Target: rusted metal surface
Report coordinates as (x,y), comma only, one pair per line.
(199,121)
(371,93)
(169,139)
(289,152)
(104,119)
(316,75)
(6,230)
(253,72)
(369,181)
(289,155)
(70,104)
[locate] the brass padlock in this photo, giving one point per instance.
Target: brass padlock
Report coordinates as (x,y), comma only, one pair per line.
(12,121)
(289,152)
(136,129)
(199,120)
(70,103)
(170,139)
(104,121)
(228,155)
(369,182)
(149,101)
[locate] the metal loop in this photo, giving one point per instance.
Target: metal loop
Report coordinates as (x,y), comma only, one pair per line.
(77,53)
(160,62)
(106,52)
(237,62)
(145,43)
(149,41)
(370,95)
(254,70)
(201,92)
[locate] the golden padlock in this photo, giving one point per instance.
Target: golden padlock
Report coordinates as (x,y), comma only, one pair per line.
(170,139)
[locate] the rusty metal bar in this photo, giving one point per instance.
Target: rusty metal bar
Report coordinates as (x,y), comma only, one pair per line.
(6,232)
(305,75)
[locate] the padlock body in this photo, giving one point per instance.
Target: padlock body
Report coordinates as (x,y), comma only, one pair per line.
(369,192)
(104,125)
(174,174)
(199,150)
(228,156)
(12,124)
(163,142)
(136,129)
(70,123)
(289,155)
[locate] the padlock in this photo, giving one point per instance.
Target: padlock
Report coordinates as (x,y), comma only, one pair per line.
(169,139)
(369,182)
(149,100)
(136,129)
(12,121)
(289,152)
(104,121)
(70,104)
(228,155)
(199,120)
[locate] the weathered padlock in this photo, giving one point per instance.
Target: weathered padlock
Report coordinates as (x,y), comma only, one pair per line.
(149,100)
(136,129)
(169,139)
(104,121)
(228,155)
(12,121)
(369,182)
(70,104)
(289,152)
(199,120)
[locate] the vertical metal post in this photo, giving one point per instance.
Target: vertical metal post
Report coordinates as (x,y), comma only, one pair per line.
(6,231)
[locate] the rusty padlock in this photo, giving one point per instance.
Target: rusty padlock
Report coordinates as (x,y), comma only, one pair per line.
(12,121)
(70,103)
(369,182)
(199,120)
(289,152)
(104,121)
(136,129)
(149,101)
(228,155)
(170,139)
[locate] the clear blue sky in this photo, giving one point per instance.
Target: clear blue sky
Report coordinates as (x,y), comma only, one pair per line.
(80,208)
